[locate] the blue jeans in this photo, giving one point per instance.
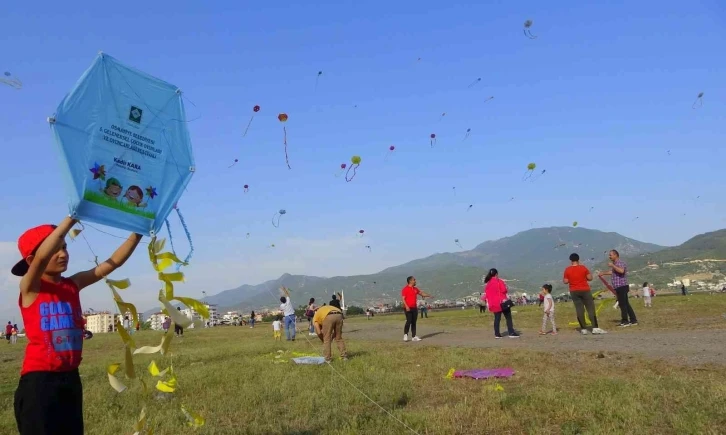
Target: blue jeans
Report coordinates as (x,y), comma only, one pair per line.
(290,327)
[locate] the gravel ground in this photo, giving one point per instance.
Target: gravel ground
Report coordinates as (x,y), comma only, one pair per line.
(692,347)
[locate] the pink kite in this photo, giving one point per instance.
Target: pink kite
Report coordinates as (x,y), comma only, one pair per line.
(485,373)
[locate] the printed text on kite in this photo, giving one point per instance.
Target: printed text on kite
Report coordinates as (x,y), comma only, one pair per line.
(254,110)
(283,118)
(276,218)
(355,160)
(527,31)
(699,101)
(8,79)
(129,101)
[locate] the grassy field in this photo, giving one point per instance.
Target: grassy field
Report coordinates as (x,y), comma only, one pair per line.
(228,375)
(103,200)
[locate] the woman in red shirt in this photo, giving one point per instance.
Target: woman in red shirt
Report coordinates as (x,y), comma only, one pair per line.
(495,293)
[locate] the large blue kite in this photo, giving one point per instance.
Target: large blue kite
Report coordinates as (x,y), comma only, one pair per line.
(124,145)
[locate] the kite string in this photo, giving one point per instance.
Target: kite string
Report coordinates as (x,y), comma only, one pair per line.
(287,160)
(363,393)
(189,239)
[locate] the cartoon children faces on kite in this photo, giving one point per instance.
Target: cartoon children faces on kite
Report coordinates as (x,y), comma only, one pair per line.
(134,195)
(113,189)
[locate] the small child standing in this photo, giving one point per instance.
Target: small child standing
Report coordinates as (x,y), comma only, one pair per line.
(549,309)
(277,328)
(647,295)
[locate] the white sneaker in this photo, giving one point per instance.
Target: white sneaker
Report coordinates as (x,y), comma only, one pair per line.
(416,339)
(583,331)
(405,337)
(599,331)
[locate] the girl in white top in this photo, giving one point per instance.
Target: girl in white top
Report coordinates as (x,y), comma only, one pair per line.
(647,295)
(549,310)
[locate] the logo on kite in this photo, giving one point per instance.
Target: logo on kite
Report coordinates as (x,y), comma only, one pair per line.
(95,134)
(135,114)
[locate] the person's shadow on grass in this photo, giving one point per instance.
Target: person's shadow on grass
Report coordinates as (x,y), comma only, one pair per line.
(433,334)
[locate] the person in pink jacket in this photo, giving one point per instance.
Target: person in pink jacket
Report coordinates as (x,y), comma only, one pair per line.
(495,293)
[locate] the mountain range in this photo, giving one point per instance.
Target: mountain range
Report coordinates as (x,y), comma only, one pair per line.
(527,259)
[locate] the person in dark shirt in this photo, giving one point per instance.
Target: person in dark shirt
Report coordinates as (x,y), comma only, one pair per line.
(335,302)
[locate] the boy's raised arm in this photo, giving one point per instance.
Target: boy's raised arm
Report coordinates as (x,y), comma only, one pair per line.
(117,259)
(30,283)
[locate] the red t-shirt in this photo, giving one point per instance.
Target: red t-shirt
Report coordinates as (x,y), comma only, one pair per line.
(54,328)
(577,276)
(8,329)
(410,295)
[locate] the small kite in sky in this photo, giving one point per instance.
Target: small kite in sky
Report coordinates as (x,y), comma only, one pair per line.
(361,233)
(391,149)
(10,80)
(591,208)
(699,101)
(466,136)
(454,189)
(527,32)
(246,188)
(474,82)
(254,110)
(276,218)
(342,169)
(317,78)
(235,162)
(574,224)
(458,244)
(355,160)
(433,139)
(283,119)
(248,235)
(369,250)
(442,116)
(530,170)
(470,206)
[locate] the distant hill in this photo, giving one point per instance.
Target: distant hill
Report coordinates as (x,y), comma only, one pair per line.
(701,258)
(527,259)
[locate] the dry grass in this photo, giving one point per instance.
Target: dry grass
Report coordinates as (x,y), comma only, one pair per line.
(228,375)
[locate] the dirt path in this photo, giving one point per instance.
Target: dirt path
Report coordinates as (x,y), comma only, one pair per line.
(688,347)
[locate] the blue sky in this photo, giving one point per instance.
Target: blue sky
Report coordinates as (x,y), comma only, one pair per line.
(597,100)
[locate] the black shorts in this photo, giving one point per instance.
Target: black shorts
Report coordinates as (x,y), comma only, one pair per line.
(49,403)
(7,337)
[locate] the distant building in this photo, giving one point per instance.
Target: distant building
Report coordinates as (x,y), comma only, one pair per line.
(157,321)
(99,322)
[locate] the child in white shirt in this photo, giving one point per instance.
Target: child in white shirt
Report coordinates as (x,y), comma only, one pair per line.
(277,329)
(549,309)
(647,295)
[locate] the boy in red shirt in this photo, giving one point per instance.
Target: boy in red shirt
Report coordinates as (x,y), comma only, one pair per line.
(577,276)
(49,398)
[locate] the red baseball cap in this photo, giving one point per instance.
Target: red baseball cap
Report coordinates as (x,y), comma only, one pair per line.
(28,243)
